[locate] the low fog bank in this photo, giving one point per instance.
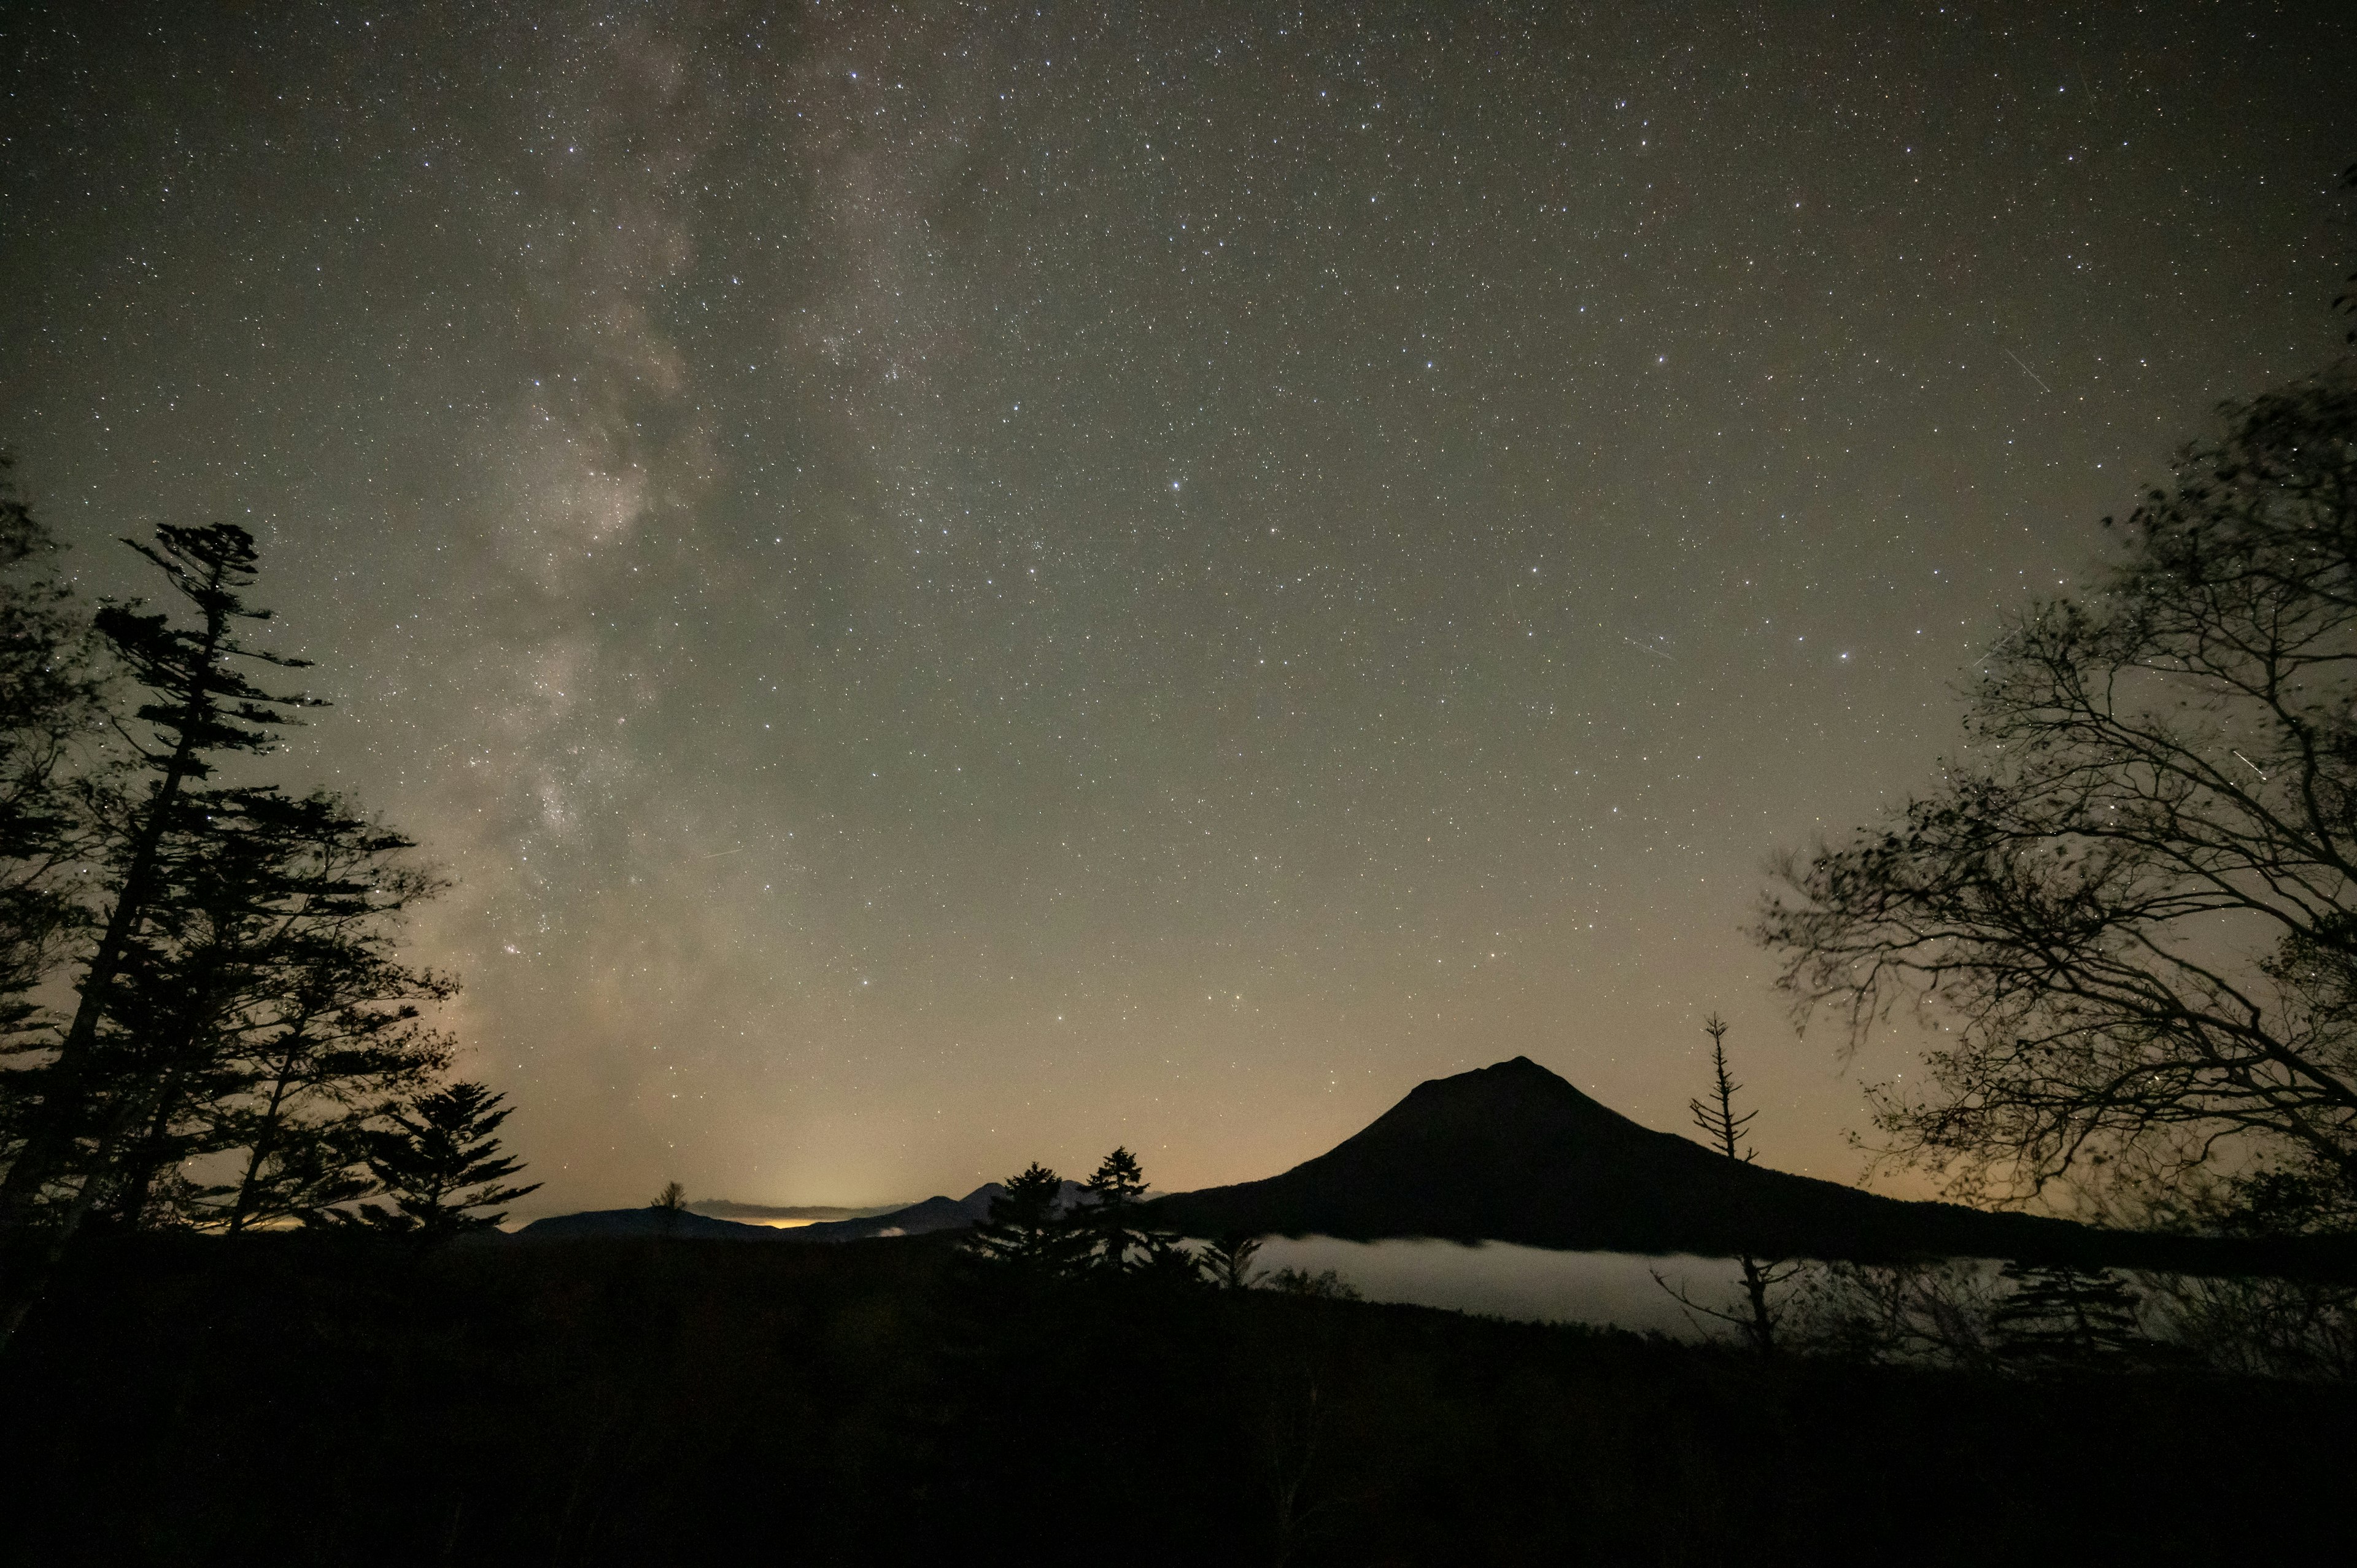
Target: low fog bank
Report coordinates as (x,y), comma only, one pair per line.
(1527,1283)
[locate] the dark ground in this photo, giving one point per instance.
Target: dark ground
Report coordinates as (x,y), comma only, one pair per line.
(298,1400)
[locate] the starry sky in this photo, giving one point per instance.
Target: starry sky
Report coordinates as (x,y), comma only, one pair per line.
(963,584)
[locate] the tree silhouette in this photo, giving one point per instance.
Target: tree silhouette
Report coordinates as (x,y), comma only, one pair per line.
(668,1205)
(337,1036)
(262,1009)
(1723,1130)
(1327,1285)
(49,705)
(2060,1316)
(1026,1228)
(440,1162)
(1227,1262)
(239,994)
(201,708)
(1921,1311)
(1112,1235)
(84,1095)
(1721,1127)
(2132,898)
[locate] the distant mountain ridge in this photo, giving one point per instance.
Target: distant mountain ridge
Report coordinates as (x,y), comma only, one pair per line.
(643,1220)
(918,1219)
(729,1209)
(915,1220)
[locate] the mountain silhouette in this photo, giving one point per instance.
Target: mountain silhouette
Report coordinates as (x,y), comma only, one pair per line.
(918,1219)
(643,1220)
(760,1213)
(1511,1152)
(915,1220)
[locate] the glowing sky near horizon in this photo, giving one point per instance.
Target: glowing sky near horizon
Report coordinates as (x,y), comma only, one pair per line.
(958,584)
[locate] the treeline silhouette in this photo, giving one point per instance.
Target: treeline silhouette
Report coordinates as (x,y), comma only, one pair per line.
(324,1396)
(243,1046)
(2283,1305)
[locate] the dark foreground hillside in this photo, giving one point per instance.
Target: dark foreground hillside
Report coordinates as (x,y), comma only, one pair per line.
(290,1400)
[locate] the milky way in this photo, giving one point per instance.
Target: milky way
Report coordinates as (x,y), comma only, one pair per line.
(961,584)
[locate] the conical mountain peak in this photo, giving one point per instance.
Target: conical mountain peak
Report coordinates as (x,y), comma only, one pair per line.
(1513,1153)
(1516,1101)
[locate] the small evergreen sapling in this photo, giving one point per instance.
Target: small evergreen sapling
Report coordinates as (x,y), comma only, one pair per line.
(1227,1262)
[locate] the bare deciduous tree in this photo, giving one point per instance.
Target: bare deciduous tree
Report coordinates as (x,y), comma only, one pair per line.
(2132,901)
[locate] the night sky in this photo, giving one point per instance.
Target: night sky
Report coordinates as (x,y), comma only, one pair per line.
(957,584)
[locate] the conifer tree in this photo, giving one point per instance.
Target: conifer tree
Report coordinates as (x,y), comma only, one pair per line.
(263,1008)
(49,705)
(2058,1316)
(1110,1236)
(1026,1227)
(1113,1236)
(1227,1262)
(1723,1128)
(344,1040)
(440,1162)
(200,708)
(164,1054)
(306,1177)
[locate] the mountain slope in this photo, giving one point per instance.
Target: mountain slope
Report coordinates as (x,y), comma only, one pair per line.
(917,1219)
(643,1220)
(1511,1152)
(762,1213)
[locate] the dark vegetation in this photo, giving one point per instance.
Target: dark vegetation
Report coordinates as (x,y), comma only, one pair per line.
(204,1020)
(2132,898)
(320,1399)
